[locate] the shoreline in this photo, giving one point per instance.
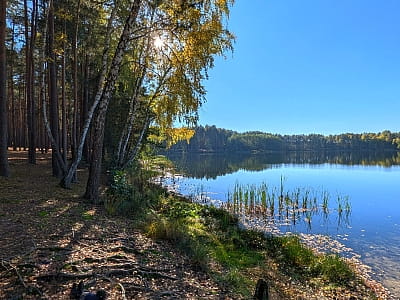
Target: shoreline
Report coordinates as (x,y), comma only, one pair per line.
(318,243)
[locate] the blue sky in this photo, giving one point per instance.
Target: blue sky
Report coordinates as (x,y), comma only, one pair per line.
(309,66)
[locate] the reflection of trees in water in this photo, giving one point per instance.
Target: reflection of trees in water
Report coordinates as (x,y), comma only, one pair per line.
(213,165)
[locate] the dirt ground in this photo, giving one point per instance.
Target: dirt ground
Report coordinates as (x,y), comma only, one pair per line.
(51,239)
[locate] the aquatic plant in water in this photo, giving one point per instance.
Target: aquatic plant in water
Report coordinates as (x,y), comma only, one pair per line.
(284,207)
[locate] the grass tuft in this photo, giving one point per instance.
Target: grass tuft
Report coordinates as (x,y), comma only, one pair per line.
(211,236)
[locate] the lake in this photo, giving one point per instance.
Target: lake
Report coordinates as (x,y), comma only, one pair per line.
(370,182)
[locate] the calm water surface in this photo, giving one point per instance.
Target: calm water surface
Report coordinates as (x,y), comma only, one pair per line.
(371,181)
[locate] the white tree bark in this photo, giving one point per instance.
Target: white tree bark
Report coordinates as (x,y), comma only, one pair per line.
(67,180)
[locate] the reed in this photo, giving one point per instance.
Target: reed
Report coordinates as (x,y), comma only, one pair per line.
(279,204)
(325,200)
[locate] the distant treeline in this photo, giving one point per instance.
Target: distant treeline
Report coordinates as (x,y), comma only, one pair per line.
(211,165)
(213,139)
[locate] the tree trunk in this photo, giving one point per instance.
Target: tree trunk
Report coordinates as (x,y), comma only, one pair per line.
(75,84)
(64,133)
(132,155)
(92,187)
(54,115)
(32,107)
(12,96)
(127,131)
(93,183)
(42,90)
(67,180)
(29,83)
(85,106)
(4,169)
(21,120)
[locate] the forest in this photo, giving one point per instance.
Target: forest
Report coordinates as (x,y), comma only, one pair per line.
(210,165)
(213,139)
(88,90)
(98,81)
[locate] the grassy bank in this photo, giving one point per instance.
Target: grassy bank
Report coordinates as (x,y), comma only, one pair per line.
(234,257)
(146,244)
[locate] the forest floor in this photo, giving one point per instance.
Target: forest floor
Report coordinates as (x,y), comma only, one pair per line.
(50,239)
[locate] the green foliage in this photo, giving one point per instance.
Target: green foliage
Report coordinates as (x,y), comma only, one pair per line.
(125,198)
(179,222)
(296,255)
(161,81)
(210,236)
(210,233)
(180,210)
(235,278)
(222,219)
(212,139)
(165,229)
(43,214)
(335,270)
(302,263)
(253,239)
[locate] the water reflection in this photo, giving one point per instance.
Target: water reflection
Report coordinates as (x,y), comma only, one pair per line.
(369,179)
(210,166)
(290,208)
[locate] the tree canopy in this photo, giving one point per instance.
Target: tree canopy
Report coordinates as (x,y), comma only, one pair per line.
(212,139)
(126,72)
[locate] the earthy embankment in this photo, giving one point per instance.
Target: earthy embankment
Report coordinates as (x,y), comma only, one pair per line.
(51,239)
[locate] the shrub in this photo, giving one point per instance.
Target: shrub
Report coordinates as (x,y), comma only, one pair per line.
(335,270)
(165,229)
(224,219)
(124,198)
(253,239)
(296,254)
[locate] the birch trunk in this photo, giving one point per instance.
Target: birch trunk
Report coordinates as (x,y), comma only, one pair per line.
(67,180)
(92,187)
(132,155)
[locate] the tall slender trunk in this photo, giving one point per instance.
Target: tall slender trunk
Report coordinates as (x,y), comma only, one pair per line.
(54,115)
(132,154)
(28,86)
(92,187)
(42,91)
(4,168)
(12,96)
(75,84)
(67,180)
(32,107)
(30,34)
(40,118)
(21,120)
(64,134)
(127,131)
(85,105)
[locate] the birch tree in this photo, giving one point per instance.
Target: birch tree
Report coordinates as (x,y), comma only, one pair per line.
(93,183)
(168,76)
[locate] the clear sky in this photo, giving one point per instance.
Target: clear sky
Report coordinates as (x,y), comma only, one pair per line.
(309,66)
